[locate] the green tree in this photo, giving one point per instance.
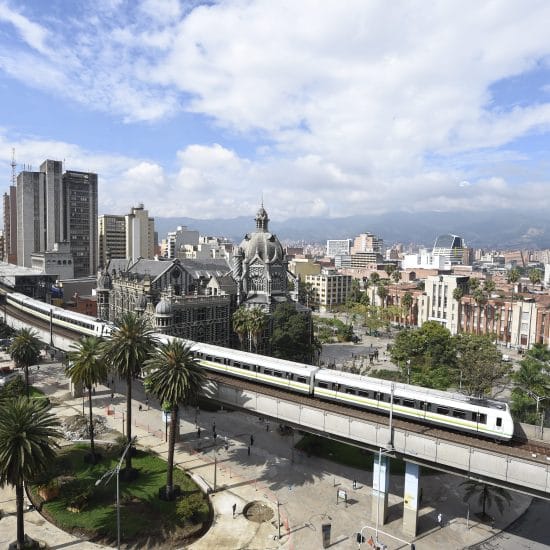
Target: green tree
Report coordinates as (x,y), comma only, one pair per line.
(86,368)
(257,323)
(130,344)
(489,286)
(473,284)
(407,302)
(240,324)
(175,378)
(535,276)
(432,354)
(513,277)
(480,364)
(354,294)
(25,351)
(292,336)
(480,299)
(389,269)
(28,439)
(486,495)
(458,293)
(532,381)
(382,292)
(396,276)
(374,278)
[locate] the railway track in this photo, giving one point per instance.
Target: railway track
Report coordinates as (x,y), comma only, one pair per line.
(535,451)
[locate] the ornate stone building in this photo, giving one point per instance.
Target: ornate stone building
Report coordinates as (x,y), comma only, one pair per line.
(173,294)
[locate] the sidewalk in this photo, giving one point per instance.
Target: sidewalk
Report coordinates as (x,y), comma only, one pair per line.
(273,472)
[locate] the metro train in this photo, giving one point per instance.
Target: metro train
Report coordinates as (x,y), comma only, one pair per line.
(59,316)
(485,417)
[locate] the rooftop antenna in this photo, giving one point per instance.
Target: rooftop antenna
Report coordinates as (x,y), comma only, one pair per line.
(13,167)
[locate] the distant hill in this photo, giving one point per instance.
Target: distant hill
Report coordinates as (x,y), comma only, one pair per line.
(495,229)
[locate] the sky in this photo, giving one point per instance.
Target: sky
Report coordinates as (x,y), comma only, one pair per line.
(318,108)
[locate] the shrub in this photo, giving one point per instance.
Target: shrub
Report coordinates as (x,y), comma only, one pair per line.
(193,507)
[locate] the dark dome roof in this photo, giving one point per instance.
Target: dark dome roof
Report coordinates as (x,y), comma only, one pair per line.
(264,245)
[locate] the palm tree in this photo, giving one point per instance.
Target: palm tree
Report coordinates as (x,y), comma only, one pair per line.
(480,299)
(486,495)
(240,324)
(407,302)
(396,276)
(374,277)
(535,276)
(489,286)
(513,277)
(125,353)
(25,351)
(257,323)
(28,433)
(382,292)
(86,368)
(175,378)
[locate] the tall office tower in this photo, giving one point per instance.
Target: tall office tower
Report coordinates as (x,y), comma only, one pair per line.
(10,225)
(80,220)
(367,242)
(140,234)
(54,204)
(112,238)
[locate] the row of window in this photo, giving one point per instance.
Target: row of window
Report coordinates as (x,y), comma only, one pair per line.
(411,403)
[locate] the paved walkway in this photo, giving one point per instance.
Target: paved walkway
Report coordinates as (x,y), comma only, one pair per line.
(272,473)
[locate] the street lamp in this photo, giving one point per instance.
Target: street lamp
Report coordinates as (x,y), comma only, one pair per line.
(111,473)
(390,442)
(538,399)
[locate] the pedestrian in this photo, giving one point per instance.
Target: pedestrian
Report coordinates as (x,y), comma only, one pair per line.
(147,402)
(215,436)
(267,426)
(112,395)
(199,432)
(226,443)
(248,450)
(251,440)
(234,508)
(140,407)
(440,519)
(213,427)
(354,484)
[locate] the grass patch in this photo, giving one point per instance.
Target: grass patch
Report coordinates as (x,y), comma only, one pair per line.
(143,514)
(35,392)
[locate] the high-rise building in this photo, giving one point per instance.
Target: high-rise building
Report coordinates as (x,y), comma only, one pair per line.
(451,247)
(367,242)
(140,234)
(179,238)
(338,247)
(80,220)
(10,225)
(111,237)
(53,207)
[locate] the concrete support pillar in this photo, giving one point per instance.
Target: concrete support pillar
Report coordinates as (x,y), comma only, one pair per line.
(410,499)
(380,485)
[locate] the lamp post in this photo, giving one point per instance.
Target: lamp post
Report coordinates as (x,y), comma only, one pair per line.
(111,473)
(408,371)
(390,442)
(538,399)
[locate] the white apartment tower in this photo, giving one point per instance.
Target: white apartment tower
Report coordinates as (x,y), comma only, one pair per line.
(140,234)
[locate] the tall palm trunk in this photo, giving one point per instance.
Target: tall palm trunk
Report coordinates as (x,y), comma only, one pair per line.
(27,386)
(171,447)
(129,419)
(92,444)
(20,522)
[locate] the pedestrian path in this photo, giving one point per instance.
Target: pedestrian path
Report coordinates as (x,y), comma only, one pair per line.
(250,461)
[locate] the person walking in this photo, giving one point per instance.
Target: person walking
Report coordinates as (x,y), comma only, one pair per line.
(251,440)
(199,432)
(234,509)
(440,520)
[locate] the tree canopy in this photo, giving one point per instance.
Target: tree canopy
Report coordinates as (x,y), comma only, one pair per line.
(292,336)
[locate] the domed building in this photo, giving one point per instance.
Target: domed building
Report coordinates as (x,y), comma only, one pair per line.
(260,268)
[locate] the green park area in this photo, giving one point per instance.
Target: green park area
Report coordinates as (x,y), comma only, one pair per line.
(68,496)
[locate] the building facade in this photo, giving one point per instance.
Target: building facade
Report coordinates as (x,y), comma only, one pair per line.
(111,238)
(80,220)
(450,247)
(10,225)
(140,234)
(58,261)
(328,289)
(336,247)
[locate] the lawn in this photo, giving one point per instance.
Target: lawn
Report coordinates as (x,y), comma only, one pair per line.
(144,517)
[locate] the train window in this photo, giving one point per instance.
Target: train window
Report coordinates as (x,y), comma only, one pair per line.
(459,414)
(277,373)
(235,364)
(323,385)
(350,391)
(428,406)
(499,422)
(301,379)
(362,393)
(269,372)
(442,410)
(408,403)
(245,366)
(396,400)
(482,418)
(208,358)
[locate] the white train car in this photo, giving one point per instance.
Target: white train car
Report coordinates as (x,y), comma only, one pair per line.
(288,375)
(485,417)
(60,317)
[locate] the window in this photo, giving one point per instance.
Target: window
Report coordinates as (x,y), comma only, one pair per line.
(499,422)
(459,414)
(442,410)
(482,418)
(269,372)
(350,391)
(277,373)
(408,403)
(301,379)
(323,385)
(362,393)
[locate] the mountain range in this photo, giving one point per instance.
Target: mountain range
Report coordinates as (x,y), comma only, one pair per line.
(497,229)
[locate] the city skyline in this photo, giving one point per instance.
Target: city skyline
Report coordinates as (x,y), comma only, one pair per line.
(324,109)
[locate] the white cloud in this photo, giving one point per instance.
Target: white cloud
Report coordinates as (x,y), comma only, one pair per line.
(356,107)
